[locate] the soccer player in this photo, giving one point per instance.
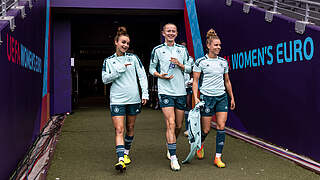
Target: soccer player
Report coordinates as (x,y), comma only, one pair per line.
(188,80)
(121,69)
(212,73)
(188,85)
(168,62)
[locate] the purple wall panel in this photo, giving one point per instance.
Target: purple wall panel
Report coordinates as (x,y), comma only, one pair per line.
(130,4)
(278,101)
(21,86)
(61,67)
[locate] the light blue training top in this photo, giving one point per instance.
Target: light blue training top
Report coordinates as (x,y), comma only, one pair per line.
(124,88)
(212,75)
(194,131)
(160,62)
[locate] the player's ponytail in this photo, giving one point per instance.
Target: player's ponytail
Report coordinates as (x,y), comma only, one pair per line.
(122,31)
(211,34)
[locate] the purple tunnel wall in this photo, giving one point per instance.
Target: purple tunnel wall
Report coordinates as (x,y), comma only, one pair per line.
(21,76)
(61,83)
(275,74)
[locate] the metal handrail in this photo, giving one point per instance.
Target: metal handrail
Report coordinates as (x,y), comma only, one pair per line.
(308,2)
(284,6)
(291,6)
(11,4)
(6,5)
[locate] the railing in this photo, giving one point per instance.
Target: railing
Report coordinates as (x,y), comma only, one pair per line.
(11,4)
(304,11)
(6,5)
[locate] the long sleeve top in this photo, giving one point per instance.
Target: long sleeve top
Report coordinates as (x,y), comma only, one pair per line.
(160,62)
(124,88)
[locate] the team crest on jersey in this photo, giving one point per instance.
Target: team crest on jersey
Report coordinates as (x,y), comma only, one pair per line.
(163,52)
(166,101)
(178,51)
(221,65)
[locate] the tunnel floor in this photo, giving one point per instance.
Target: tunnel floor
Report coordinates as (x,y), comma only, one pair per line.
(86,150)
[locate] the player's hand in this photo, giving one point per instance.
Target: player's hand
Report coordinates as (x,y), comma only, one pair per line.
(196,100)
(232,104)
(175,61)
(164,76)
(144,101)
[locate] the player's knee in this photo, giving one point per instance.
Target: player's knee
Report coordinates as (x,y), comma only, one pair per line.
(220,126)
(171,125)
(130,128)
(178,126)
(119,130)
(206,130)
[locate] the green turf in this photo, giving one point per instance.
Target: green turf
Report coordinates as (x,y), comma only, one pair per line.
(86,150)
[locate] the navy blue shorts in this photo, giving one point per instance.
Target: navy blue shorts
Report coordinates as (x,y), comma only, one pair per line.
(214,104)
(125,109)
(179,102)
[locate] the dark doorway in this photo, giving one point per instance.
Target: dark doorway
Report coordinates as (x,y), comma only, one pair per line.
(92,37)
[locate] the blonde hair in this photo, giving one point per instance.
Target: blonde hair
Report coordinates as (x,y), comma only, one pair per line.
(211,34)
(163,28)
(122,31)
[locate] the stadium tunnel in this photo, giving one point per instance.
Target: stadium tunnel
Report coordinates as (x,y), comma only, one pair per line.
(277,95)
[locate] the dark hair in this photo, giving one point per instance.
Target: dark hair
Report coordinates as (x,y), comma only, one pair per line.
(122,31)
(211,34)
